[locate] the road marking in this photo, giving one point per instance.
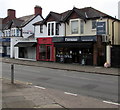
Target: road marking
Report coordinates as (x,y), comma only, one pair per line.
(111,103)
(70,93)
(39,87)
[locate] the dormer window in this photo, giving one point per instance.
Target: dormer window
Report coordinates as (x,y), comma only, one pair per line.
(53,28)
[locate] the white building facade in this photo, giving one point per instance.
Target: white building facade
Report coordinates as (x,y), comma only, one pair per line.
(25,47)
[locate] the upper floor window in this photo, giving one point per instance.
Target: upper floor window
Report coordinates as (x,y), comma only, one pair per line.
(57,28)
(41,28)
(94,24)
(53,28)
(49,29)
(9,34)
(82,27)
(17,32)
(74,27)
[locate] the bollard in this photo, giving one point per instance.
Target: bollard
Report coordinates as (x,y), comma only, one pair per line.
(12,73)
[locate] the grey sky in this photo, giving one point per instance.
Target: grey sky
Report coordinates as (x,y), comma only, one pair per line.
(26,7)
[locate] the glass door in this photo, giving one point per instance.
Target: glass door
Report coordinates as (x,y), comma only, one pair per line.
(48,54)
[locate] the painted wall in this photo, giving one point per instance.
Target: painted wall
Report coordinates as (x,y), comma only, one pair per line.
(45,34)
(87,28)
(37,31)
(29,28)
(116,31)
(14,50)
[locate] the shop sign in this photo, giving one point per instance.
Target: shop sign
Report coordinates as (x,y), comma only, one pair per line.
(71,39)
(27,32)
(101,28)
(4,39)
(88,38)
(58,39)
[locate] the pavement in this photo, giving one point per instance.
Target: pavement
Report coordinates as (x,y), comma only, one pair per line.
(25,95)
(69,67)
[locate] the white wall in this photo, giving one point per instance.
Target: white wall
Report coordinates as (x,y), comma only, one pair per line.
(45,34)
(37,31)
(29,27)
(14,50)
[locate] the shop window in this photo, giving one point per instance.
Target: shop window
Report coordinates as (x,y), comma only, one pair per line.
(42,51)
(82,27)
(74,27)
(94,24)
(8,50)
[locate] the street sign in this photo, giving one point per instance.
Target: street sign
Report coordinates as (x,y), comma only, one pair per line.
(101,28)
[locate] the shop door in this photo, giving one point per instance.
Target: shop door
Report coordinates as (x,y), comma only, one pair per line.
(48,53)
(75,55)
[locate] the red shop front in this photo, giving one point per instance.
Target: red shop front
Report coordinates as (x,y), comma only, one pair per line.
(45,49)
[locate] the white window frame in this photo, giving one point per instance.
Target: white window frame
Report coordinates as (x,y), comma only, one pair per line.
(73,20)
(54,28)
(82,27)
(92,24)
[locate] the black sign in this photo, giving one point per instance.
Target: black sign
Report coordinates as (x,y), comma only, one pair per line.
(4,39)
(75,39)
(72,39)
(88,38)
(101,28)
(58,39)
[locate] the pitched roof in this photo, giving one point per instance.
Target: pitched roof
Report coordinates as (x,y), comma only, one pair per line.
(13,23)
(88,13)
(19,22)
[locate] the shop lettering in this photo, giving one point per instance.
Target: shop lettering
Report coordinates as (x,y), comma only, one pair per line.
(87,39)
(71,39)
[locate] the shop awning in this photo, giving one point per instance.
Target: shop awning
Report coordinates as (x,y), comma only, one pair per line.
(25,44)
(73,45)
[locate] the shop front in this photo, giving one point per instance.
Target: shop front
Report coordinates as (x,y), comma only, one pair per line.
(76,49)
(45,49)
(26,50)
(5,47)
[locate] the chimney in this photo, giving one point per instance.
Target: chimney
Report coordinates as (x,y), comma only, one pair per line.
(11,13)
(38,10)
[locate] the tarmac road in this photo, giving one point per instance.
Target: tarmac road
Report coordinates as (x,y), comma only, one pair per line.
(100,86)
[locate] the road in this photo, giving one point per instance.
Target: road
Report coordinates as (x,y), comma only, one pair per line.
(104,87)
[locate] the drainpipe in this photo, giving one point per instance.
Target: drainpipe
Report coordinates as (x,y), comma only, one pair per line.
(65,29)
(108,48)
